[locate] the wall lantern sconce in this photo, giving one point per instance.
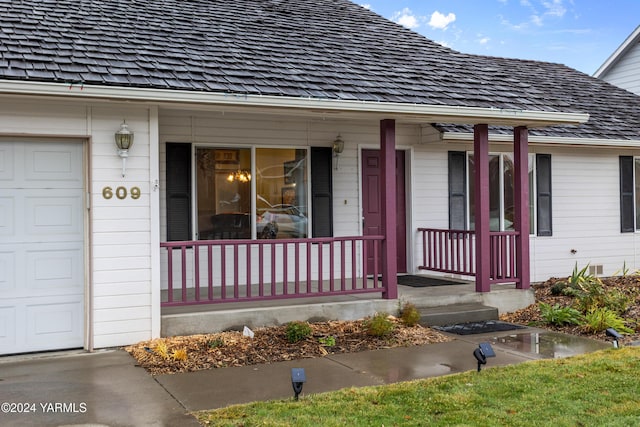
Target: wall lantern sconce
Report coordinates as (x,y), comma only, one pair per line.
(124,141)
(298,378)
(337,148)
(481,353)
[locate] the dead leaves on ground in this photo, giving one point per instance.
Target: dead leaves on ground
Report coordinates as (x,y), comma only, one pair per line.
(269,345)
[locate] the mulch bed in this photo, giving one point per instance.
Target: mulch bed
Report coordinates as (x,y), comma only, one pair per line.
(530,316)
(270,345)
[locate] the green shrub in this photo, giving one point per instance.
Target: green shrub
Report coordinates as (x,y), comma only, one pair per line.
(329,341)
(409,314)
(599,319)
(557,315)
(215,343)
(379,325)
(558,288)
(297,331)
(617,301)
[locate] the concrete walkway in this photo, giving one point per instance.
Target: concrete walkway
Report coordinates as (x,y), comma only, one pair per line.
(106,388)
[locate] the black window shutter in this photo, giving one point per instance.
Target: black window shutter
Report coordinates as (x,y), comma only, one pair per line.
(178,192)
(543,194)
(457,190)
(626,195)
(321,192)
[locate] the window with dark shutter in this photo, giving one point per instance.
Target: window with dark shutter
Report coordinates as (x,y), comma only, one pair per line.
(543,194)
(178,192)
(626,195)
(457,190)
(321,192)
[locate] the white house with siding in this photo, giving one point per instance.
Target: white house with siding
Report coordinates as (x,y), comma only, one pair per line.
(236,187)
(622,68)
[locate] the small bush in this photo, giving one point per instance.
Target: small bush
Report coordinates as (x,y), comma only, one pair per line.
(558,288)
(409,314)
(617,301)
(297,331)
(215,343)
(179,354)
(162,350)
(379,325)
(557,315)
(327,341)
(599,319)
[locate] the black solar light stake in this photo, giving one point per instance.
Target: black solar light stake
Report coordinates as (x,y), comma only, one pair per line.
(298,378)
(615,335)
(481,353)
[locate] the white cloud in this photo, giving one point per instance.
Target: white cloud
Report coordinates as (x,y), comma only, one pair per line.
(554,8)
(366,6)
(484,40)
(441,21)
(406,18)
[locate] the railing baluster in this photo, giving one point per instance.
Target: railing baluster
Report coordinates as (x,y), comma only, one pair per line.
(170,274)
(184,273)
(209,272)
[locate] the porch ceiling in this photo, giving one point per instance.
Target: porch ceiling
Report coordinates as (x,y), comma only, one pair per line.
(293,106)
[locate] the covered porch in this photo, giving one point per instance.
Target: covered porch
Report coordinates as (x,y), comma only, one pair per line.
(357,274)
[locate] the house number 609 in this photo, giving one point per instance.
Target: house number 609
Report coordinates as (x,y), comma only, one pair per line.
(121,193)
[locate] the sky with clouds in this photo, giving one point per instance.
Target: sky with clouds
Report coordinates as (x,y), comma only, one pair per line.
(579,33)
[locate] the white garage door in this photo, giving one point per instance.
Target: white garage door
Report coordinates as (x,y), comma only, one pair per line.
(41,246)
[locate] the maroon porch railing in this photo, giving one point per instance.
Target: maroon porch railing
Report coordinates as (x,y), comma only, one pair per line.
(217,271)
(453,251)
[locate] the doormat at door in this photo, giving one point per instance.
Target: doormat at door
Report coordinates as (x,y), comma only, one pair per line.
(473,328)
(424,281)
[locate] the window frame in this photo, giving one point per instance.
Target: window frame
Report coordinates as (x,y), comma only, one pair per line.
(533,183)
(253,212)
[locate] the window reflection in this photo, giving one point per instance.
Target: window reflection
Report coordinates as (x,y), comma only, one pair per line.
(223,181)
(281,193)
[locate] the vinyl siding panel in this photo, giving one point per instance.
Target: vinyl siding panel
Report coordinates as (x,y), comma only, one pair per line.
(626,72)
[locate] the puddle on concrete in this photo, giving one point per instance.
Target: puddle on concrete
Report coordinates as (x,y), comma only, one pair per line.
(550,345)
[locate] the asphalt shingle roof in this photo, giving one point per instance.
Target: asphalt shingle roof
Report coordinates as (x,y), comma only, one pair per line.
(330,49)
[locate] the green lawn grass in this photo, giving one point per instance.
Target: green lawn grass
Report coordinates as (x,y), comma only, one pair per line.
(596,389)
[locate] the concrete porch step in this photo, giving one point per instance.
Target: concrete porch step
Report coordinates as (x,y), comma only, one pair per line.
(456,313)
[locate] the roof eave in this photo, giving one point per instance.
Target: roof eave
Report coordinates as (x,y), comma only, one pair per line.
(619,52)
(545,140)
(346,108)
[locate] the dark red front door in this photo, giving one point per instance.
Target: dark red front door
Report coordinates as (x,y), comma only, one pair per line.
(372,204)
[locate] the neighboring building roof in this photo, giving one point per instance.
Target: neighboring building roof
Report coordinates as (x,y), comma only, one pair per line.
(632,40)
(325,49)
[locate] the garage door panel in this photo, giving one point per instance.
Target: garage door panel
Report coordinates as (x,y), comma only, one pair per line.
(7,272)
(54,270)
(6,162)
(53,215)
(45,163)
(7,216)
(8,339)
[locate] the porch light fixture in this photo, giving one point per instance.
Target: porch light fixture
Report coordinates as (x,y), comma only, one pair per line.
(298,378)
(124,141)
(337,148)
(610,332)
(481,353)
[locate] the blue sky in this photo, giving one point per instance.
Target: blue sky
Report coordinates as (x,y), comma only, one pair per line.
(579,33)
